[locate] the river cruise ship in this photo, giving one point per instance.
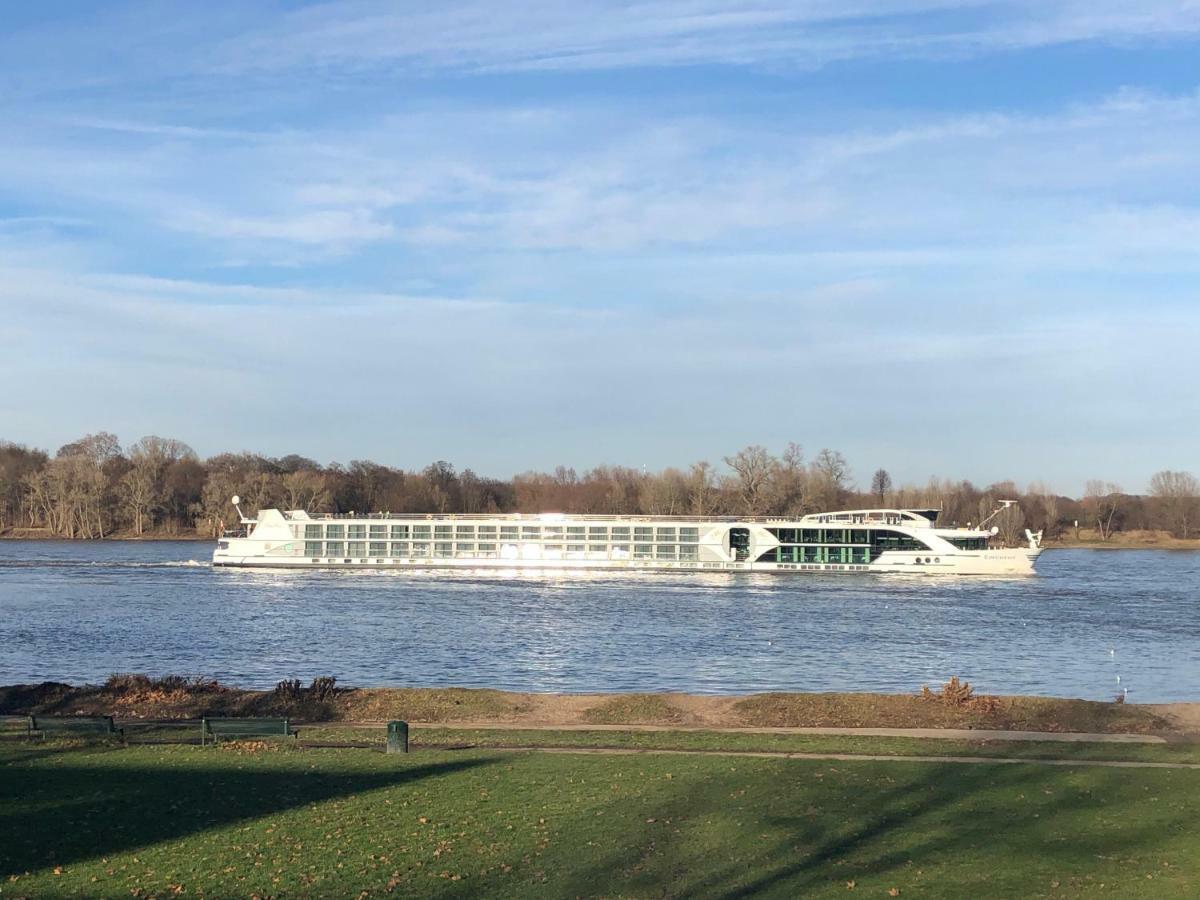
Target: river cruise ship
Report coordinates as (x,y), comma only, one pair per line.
(857,541)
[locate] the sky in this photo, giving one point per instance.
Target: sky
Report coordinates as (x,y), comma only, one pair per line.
(945,237)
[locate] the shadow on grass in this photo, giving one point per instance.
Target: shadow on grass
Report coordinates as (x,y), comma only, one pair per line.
(994,826)
(71,811)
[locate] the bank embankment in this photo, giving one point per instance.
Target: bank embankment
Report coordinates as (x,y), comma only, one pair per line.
(951,706)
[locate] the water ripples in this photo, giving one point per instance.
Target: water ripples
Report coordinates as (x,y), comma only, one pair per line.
(78,612)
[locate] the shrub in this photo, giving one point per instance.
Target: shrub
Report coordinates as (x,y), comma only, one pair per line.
(323,688)
(288,689)
(128,681)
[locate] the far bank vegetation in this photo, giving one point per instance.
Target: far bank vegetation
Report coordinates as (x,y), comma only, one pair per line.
(95,488)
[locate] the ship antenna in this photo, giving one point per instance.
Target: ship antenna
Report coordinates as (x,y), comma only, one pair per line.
(241,515)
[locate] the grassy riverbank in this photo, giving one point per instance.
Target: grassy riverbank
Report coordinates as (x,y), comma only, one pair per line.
(1089,539)
(139,697)
(167,821)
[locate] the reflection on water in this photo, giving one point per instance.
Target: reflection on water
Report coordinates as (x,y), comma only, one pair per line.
(76,611)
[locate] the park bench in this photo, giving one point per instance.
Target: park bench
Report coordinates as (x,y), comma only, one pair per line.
(74,726)
(242,728)
(15,726)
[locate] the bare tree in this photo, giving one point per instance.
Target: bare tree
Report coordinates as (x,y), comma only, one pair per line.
(830,474)
(305,489)
(1102,500)
(139,496)
(790,482)
(881,485)
(752,467)
(1179,495)
(702,486)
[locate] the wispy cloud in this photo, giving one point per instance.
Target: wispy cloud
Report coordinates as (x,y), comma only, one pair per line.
(472,36)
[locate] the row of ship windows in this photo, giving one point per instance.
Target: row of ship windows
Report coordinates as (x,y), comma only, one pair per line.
(446,549)
(845,555)
(502,532)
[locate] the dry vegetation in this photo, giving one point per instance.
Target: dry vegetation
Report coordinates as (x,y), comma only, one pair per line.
(954,705)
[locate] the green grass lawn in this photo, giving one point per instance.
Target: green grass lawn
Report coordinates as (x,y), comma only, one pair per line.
(178,820)
(709,741)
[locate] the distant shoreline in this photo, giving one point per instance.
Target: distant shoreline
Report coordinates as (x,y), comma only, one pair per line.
(35,534)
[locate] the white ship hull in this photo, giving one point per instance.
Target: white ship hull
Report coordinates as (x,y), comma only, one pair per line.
(861,542)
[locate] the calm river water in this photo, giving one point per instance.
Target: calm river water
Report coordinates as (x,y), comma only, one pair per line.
(80,611)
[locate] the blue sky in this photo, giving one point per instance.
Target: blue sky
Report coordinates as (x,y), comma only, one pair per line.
(952,238)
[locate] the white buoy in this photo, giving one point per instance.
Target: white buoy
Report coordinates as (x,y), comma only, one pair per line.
(1118,679)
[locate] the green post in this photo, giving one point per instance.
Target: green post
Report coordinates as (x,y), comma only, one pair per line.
(397,737)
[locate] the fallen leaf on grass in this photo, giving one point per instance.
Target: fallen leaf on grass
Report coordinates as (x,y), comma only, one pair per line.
(893,892)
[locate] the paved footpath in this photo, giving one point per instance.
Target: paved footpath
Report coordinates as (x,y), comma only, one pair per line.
(956,734)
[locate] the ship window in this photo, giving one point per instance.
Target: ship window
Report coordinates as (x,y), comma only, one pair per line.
(487,548)
(620,551)
(489,530)
(666,534)
(443,530)
(969,543)
(420,549)
(464,548)
(688,551)
(335,532)
(334,548)
(378,548)
(642,551)
(356,531)
(378,531)
(810,535)
(597,548)
(883,540)
(531,533)
(420,531)
(642,533)
(860,537)
(508,531)
(771,555)
(597,534)
(312,548)
(574,548)
(576,532)
(689,535)
(399,549)
(443,549)
(356,548)
(553,532)
(400,531)
(664,551)
(787,554)
(465,531)
(552,548)
(313,532)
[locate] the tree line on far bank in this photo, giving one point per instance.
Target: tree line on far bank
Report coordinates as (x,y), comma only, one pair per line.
(94,488)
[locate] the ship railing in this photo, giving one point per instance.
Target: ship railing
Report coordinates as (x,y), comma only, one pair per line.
(551,518)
